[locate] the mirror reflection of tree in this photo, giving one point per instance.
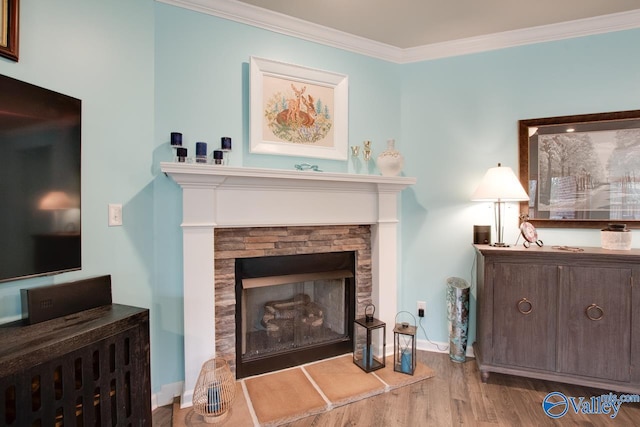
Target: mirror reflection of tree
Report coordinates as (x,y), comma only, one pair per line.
(571,159)
(624,172)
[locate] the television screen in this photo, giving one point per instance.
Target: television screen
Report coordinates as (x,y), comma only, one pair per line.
(39,181)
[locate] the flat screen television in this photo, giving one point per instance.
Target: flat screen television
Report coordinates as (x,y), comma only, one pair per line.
(39,181)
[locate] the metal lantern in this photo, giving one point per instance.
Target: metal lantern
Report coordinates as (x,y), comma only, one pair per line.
(215,390)
(369,341)
(404,346)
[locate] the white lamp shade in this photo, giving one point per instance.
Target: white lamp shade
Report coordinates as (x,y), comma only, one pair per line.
(56,200)
(500,184)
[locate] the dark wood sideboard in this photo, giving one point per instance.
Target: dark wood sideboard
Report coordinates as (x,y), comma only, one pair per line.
(558,315)
(88,368)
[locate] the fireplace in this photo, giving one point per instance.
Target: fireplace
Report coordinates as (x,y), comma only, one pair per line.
(299,260)
(216,198)
(293,309)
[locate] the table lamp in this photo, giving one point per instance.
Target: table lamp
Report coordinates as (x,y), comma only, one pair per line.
(499,185)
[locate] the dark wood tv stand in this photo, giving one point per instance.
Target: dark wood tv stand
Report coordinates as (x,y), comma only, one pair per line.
(558,315)
(88,368)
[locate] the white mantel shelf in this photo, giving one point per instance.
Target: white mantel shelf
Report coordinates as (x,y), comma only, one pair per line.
(205,174)
(216,196)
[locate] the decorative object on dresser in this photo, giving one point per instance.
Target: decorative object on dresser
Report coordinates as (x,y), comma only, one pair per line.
(528,233)
(616,237)
(581,171)
(482,234)
(559,315)
(499,185)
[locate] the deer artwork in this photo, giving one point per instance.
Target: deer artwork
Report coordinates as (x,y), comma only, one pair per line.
(310,117)
(294,115)
(294,104)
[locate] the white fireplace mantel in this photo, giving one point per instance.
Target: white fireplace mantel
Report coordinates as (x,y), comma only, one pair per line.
(222,196)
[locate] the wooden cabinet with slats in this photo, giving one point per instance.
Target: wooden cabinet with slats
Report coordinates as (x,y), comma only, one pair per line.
(87,369)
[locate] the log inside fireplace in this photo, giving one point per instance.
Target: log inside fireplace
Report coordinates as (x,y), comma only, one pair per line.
(293,309)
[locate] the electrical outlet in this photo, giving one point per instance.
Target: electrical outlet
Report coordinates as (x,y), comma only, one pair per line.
(422,307)
(115,214)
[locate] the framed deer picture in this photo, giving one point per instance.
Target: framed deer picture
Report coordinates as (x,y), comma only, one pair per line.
(297,111)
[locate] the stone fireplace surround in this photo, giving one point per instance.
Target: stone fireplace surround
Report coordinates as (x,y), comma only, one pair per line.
(250,242)
(216,197)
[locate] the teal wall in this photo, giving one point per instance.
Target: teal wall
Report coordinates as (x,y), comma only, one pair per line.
(459,118)
(144,69)
(102,53)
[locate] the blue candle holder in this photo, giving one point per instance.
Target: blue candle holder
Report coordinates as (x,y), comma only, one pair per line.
(405,362)
(176,139)
(201,152)
(213,399)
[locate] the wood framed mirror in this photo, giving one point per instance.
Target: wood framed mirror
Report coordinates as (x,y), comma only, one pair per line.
(581,171)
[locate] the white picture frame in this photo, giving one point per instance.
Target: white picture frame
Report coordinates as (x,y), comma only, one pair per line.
(297,111)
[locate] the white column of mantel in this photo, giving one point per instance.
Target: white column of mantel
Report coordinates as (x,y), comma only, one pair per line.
(384,269)
(198,223)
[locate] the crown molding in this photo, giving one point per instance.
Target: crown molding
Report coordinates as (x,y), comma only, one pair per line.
(295,27)
(290,26)
(544,33)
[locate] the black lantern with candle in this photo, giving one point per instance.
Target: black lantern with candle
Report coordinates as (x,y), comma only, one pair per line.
(369,341)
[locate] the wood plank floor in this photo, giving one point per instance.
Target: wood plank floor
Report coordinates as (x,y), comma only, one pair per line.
(457,397)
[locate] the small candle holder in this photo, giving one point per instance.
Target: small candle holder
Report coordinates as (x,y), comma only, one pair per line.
(355,151)
(176,139)
(218,157)
(181,155)
(225,146)
(366,150)
(201,152)
(355,158)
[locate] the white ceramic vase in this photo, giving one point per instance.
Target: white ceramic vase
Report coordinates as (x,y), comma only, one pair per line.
(390,161)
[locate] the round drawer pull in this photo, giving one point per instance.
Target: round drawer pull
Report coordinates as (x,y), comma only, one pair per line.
(595,309)
(524,306)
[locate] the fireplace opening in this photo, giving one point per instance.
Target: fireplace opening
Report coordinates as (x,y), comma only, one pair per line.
(293,309)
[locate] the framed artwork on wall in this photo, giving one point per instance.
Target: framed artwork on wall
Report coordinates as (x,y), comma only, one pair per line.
(297,111)
(9,29)
(581,171)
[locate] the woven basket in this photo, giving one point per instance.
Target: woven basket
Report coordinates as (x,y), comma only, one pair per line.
(215,391)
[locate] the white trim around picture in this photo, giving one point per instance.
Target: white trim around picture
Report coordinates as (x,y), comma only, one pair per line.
(297,111)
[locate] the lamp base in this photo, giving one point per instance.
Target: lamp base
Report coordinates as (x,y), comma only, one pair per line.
(501,245)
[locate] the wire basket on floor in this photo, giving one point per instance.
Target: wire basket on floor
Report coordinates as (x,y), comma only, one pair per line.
(215,391)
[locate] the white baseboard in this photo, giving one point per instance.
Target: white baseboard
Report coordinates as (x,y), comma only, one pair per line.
(166,394)
(439,347)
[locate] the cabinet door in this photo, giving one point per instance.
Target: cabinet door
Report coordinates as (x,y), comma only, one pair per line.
(524,318)
(594,333)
